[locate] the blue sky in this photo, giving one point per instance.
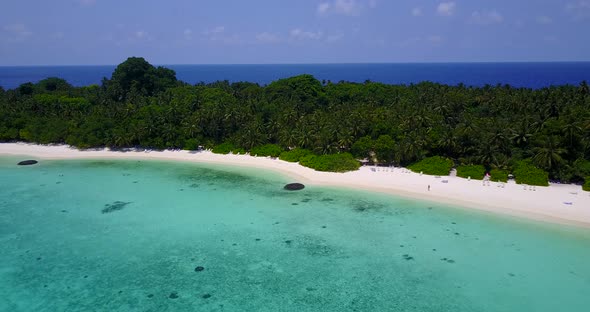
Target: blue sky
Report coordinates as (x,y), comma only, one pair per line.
(72,32)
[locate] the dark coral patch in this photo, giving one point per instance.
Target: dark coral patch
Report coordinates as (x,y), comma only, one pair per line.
(27,162)
(115,206)
(294,187)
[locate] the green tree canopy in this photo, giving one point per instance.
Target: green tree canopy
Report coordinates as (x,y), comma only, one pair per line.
(137,76)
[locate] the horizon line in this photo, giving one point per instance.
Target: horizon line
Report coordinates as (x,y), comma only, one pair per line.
(312,63)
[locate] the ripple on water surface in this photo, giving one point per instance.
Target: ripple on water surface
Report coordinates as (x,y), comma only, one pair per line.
(155,236)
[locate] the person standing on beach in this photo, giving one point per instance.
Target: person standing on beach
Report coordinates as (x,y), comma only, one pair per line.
(429,187)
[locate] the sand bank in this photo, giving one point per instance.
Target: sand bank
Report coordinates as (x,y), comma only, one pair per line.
(556,203)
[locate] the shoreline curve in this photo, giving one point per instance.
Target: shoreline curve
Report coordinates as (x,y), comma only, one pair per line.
(547,204)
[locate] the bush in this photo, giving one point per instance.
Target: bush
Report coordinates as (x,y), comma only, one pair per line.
(526,173)
(238,151)
(476,172)
(224,148)
(499,175)
(586,186)
(191,145)
(294,155)
(581,168)
(271,150)
(433,166)
(333,163)
(362,147)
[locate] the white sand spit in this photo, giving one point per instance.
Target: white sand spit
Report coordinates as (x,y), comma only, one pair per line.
(556,203)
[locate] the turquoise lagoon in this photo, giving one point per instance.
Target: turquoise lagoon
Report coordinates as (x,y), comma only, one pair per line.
(101,235)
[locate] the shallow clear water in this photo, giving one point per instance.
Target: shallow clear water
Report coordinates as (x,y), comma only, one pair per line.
(126,235)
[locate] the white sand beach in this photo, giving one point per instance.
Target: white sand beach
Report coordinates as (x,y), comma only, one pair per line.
(557,203)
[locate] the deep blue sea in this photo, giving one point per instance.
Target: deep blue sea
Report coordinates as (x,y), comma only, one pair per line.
(529,75)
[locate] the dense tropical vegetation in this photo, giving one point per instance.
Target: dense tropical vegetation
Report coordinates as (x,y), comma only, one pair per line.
(476,172)
(499,175)
(435,165)
(496,127)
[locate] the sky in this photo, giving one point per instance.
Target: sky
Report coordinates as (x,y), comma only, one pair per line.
(106,32)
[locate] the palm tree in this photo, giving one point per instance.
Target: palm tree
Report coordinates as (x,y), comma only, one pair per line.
(521,134)
(169,134)
(488,153)
(192,125)
(448,143)
(287,138)
(548,154)
(252,135)
(572,130)
(345,139)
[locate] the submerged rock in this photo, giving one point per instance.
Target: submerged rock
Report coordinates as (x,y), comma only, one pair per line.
(199,269)
(115,206)
(27,162)
(173,295)
(206,296)
(294,187)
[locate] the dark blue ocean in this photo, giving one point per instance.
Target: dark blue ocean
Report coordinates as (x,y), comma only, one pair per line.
(529,75)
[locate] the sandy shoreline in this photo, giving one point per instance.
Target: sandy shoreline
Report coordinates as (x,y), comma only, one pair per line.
(566,204)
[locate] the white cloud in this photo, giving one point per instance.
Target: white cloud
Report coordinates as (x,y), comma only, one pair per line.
(583,4)
(334,38)
(214,31)
(141,34)
(266,37)
(550,39)
(17,31)
(417,12)
(87,2)
(409,42)
(428,41)
(345,7)
(544,20)
(579,9)
(486,17)
(188,34)
(299,34)
(323,7)
(219,34)
(57,35)
(446,8)
(435,39)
